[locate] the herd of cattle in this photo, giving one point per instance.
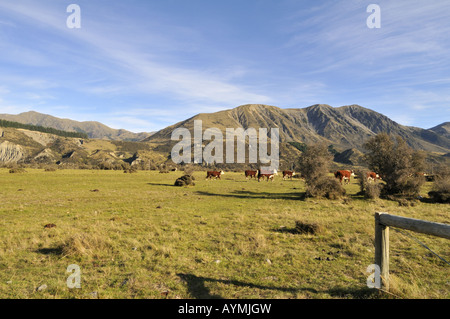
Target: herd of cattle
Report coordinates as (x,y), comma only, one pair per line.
(344,176)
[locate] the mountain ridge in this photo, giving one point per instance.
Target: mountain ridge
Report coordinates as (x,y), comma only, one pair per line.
(345,127)
(93,129)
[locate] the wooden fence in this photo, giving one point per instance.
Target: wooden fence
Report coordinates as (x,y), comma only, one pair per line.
(382,223)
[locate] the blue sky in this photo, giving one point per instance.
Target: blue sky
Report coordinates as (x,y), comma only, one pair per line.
(143,65)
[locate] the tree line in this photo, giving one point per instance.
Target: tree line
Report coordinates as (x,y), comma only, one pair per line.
(5,123)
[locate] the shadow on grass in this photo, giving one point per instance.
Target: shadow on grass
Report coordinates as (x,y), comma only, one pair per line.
(57,251)
(286,230)
(359,293)
(197,288)
(258,195)
(159,184)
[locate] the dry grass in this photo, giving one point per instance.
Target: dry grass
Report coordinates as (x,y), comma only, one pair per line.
(86,244)
(141,237)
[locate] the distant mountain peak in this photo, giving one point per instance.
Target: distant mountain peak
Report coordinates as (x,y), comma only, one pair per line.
(92,128)
(345,127)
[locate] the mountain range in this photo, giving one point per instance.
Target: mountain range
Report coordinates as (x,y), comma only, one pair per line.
(345,129)
(92,128)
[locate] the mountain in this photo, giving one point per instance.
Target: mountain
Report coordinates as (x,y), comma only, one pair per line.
(93,129)
(36,148)
(442,129)
(345,127)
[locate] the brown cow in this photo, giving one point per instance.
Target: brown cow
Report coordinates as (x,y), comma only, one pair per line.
(288,174)
(250,174)
(372,176)
(344,175)
(214,174)
(269,174)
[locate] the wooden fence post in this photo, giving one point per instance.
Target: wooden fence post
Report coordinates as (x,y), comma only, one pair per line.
(382,250)
(382,223)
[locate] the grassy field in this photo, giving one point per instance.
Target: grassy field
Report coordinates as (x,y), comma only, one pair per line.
(138,236)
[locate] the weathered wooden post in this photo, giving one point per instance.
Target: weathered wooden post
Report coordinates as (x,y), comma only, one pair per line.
(382,223)
(382,250)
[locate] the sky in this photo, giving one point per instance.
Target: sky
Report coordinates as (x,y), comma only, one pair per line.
(142,65)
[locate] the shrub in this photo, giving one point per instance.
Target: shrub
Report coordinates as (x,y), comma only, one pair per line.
(397,163)
(131,169)
(185,180)
(307,228)
(17,170)
(327,187)
(314,165)
(368,189)
(373,190)
(441,187)
(105,165)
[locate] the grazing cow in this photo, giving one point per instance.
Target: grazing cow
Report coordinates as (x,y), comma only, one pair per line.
(344,175)
(214,174)
(267,173)
(372,176)
(288,174)
(251,174)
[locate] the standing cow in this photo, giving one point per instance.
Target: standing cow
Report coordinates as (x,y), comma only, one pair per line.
(288,174)
(372,176)
(251,174)
(344,175)
(266,173)
(214,174)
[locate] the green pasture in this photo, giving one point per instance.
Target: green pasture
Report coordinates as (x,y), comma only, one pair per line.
(138,236)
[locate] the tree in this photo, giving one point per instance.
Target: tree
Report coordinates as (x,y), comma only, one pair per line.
(314,166)
(399,165)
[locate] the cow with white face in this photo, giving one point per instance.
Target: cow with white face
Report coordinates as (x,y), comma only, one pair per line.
(267,173)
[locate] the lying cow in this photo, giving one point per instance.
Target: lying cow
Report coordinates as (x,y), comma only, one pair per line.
(251,174)
(214,174)
(344,175)
(288,174)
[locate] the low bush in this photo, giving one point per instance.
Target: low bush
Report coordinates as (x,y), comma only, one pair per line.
(441,188)
(17,170)
(185,180)
(368,189)
(314,163)
(307,228)
(398,163)
(326,187)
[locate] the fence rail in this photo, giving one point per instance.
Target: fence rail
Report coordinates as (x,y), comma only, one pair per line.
(382,223)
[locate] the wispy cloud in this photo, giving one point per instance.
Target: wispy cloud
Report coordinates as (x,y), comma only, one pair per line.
(147,73)
(148,64)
